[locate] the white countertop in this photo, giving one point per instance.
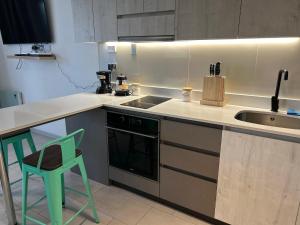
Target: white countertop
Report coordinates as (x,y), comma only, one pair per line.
(33,114)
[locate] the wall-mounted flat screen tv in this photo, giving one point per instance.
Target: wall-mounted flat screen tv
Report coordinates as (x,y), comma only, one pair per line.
(24,21)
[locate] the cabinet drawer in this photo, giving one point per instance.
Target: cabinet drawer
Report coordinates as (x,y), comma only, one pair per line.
(139,26)
(159,5)
(194,162)
(187,191)
(200,137)
(125,7)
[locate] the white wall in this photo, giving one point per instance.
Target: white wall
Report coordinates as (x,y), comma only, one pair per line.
(39,80)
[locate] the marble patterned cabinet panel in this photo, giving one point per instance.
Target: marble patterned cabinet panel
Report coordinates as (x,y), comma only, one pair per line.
(259,180)
(298,217)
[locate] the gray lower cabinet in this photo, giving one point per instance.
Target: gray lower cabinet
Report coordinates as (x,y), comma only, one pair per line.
(83,20)
(150,25)
(94,20)
(188,191)
(159,5)
(94,143)
(200,137)
(270,18)
(125,7)
(207,19)
(190,161)
(189,165)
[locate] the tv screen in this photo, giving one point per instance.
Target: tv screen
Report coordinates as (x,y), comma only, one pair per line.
(24,21)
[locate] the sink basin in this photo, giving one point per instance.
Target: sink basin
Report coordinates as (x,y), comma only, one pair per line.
(269,119)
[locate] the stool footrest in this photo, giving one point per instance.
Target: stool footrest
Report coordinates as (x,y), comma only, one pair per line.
(76,214)
(35,220)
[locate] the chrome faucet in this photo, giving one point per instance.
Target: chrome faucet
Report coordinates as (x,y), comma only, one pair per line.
(275,100)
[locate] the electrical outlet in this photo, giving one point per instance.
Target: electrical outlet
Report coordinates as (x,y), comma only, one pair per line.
(112,67)
(133,49)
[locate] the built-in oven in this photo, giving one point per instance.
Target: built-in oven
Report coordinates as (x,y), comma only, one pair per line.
(133,144)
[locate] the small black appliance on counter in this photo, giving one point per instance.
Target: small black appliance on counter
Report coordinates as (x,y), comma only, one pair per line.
(105,82)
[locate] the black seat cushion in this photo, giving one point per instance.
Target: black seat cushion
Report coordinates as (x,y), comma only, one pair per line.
(52,158)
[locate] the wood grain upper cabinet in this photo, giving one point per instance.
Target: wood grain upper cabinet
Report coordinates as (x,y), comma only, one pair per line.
(259,180)
(125,7)
(105,20)
(83,20)
(94,20)
(206,19)
(270,18)
(159,5)
(146,26)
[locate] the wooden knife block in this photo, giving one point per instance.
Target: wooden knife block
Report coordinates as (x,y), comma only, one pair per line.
(213,91)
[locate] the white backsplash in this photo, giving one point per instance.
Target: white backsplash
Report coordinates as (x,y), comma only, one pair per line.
(250,66)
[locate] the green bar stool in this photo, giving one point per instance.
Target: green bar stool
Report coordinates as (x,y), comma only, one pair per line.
(17,142)
(55,158)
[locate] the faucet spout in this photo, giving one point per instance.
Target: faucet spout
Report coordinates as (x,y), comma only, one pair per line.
(275,100)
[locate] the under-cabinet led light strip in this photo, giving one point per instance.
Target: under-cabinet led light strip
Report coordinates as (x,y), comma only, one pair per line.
(288,40)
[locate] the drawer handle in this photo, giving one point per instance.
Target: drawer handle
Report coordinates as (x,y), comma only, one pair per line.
(190,174)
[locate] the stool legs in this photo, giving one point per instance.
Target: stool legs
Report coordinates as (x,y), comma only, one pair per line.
(5,154)
(24,196)
(18,146)
(63,190)
(54,197)
(88,189)
(30,142)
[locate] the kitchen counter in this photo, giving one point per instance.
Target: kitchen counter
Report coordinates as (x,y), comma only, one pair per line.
(33,114)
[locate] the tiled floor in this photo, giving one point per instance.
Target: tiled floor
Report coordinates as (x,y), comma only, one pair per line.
(114,205)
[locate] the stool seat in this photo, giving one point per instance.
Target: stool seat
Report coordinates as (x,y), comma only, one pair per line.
(52,158)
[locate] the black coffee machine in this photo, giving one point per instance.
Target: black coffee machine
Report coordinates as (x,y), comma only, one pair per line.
(105,82)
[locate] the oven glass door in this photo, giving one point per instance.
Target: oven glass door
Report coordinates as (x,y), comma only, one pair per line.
(134,153)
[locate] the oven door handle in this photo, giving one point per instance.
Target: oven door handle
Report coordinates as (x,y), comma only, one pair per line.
(131,132)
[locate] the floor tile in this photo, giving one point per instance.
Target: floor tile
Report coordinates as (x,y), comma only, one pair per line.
(119,205)
(150,202)
(104,219)
(189,218)
(155,217)
(116,222)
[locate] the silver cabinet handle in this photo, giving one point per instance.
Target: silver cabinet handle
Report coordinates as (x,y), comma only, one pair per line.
(131,132)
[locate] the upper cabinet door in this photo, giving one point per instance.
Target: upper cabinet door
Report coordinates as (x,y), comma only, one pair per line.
(207,19)
(159,5)
(270,18)
(146,26)
(105,20)
(125,7)
(83,20)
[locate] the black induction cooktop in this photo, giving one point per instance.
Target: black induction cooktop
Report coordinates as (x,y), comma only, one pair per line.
(146,102)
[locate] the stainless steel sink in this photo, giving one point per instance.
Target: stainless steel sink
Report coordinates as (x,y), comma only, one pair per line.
(269,119)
